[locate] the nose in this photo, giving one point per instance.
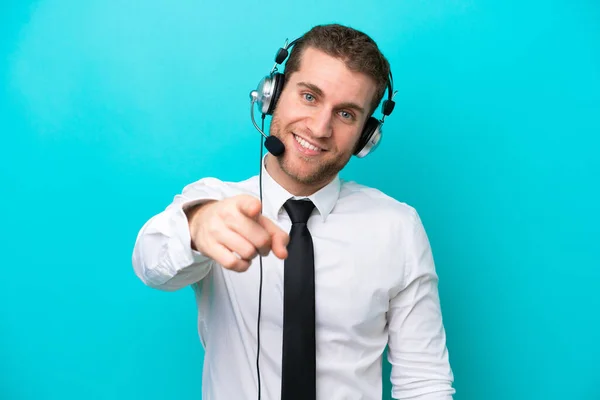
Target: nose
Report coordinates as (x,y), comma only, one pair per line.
(320,123)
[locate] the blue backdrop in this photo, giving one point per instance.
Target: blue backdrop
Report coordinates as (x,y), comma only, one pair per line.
(108,108)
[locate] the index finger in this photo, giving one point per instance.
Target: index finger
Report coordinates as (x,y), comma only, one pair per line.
(279,238)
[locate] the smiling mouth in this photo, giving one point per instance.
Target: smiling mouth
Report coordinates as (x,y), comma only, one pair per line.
(306,145)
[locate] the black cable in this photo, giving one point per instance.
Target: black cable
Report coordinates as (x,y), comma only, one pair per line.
(260,259)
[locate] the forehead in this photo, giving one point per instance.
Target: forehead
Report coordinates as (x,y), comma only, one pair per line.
(332,76)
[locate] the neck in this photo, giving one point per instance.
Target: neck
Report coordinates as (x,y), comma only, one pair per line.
(287,182)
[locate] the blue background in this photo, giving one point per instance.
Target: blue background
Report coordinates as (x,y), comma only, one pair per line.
(108,108)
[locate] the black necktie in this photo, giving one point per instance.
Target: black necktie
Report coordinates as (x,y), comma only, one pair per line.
(299,359)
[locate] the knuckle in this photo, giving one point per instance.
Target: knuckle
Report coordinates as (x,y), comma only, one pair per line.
(229,221)
(237,268)
(243,266)
(224,212)
(210,228)
(230,263)
(263,241)
(214,232)
(248,252)
(240,266)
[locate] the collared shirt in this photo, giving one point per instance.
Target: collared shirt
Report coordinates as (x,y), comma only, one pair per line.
(375,284)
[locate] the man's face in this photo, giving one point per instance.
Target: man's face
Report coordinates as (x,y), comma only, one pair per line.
(319,117)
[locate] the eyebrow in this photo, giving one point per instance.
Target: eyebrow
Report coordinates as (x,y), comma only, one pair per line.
(319,92)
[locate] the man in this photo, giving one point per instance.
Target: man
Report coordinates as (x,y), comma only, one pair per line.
(292,309)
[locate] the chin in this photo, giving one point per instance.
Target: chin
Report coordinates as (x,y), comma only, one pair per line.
(308,171)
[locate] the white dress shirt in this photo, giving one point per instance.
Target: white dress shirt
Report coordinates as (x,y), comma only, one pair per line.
(375,284)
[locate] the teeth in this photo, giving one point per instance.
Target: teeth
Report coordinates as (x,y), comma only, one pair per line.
(305,144)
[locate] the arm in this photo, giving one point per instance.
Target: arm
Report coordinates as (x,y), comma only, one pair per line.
(417,339)
(163,257)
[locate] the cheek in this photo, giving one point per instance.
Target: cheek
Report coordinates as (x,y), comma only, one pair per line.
(346,139)
(289,110)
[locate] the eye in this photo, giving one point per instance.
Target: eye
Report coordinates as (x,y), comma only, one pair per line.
(308,97)
(346,115)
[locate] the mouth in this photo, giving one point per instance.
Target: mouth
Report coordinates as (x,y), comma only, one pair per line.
(306,147)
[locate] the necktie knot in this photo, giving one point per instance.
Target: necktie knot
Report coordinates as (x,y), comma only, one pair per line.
(299,210)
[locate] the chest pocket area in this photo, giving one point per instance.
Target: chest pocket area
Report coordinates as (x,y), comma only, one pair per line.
(351,291)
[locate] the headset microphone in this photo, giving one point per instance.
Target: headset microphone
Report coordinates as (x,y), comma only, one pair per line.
(275,146)
(272,143)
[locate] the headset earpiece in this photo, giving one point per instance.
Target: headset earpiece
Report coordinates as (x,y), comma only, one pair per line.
(369,139)
(270,87)
(268,92)
(372,132)
(278,83)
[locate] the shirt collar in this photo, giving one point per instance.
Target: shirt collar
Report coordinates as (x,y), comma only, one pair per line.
(274,195)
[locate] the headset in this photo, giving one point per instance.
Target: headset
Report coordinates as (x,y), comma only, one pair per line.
(265,97)
(270,88)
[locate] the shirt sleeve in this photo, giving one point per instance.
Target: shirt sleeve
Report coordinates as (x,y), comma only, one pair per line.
(163,257)
(417,348)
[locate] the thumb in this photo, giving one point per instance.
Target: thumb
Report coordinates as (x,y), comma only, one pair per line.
(249,206)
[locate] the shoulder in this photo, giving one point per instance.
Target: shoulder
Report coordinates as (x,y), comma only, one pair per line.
(376,202)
